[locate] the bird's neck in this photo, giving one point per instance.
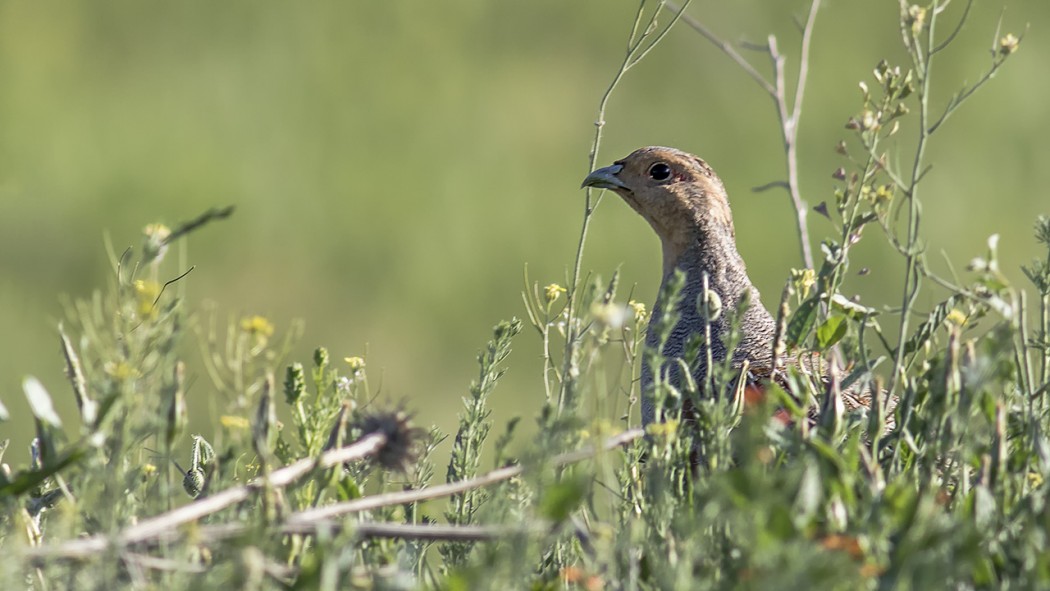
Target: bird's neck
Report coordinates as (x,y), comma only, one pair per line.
(713,253)
(711,250)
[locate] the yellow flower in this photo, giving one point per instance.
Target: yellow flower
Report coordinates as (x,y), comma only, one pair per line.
(956,317)
(148,471)
(146,293)
(917,18)
(883,195)
(234,422)
(257,325)
(665,430)
(157,231)
(552,292)
(804,279)
(1009,44)
(356,363)
(638,309)
(120,370)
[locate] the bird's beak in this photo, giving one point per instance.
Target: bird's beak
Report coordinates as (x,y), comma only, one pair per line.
(605,178)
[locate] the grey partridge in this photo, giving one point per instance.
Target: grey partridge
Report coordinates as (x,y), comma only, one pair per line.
(685,202)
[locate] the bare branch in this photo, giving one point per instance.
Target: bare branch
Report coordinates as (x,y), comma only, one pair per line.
(789,125)
(958,27)
(415,531)
(85,549)
(413,496)
(788,114)
(365,447)
(164,527)
(163,564)
(726,48)
(803,66)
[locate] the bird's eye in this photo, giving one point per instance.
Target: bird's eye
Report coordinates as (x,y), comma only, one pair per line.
(660,171)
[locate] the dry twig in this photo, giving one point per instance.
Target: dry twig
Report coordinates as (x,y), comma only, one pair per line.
(787,114)
(164,526)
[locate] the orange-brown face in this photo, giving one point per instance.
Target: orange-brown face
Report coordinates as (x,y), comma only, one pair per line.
(676,192)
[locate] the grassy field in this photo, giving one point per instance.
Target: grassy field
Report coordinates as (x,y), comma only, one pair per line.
(394,168)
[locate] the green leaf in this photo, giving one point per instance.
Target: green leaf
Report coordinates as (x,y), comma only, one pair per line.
(852,309)
(562,498)
(925,330)
(28,480)
(801,322)
(347,489)
(831,331)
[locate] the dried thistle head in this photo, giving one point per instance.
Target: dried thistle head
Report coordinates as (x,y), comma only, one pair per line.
(403,438)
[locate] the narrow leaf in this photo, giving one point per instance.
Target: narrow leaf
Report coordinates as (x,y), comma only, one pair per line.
(831,331)
(40,402)
(801,322)
(925,330)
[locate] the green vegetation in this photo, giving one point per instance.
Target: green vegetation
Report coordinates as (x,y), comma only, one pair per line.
(324,485)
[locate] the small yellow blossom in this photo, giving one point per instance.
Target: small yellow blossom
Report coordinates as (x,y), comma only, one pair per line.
(120,370)
(356,363)
(146,293)
(638,308)
(552,292)
(157,232)
(804,280)
(917,18)
(1009,44)
(148,469)
(257,325)
(234,422)
(956,317)
(665,430)
(150,289)
(883,195)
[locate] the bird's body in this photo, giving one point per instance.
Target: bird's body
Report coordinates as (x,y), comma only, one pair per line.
(685,202)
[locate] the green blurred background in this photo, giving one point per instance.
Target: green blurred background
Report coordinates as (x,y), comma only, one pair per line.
(396,164)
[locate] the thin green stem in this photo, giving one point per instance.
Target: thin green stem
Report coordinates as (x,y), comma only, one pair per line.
(631,57)
(912,279)
(1044,314)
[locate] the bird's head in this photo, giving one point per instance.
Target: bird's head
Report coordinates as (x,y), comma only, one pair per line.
(677,193)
